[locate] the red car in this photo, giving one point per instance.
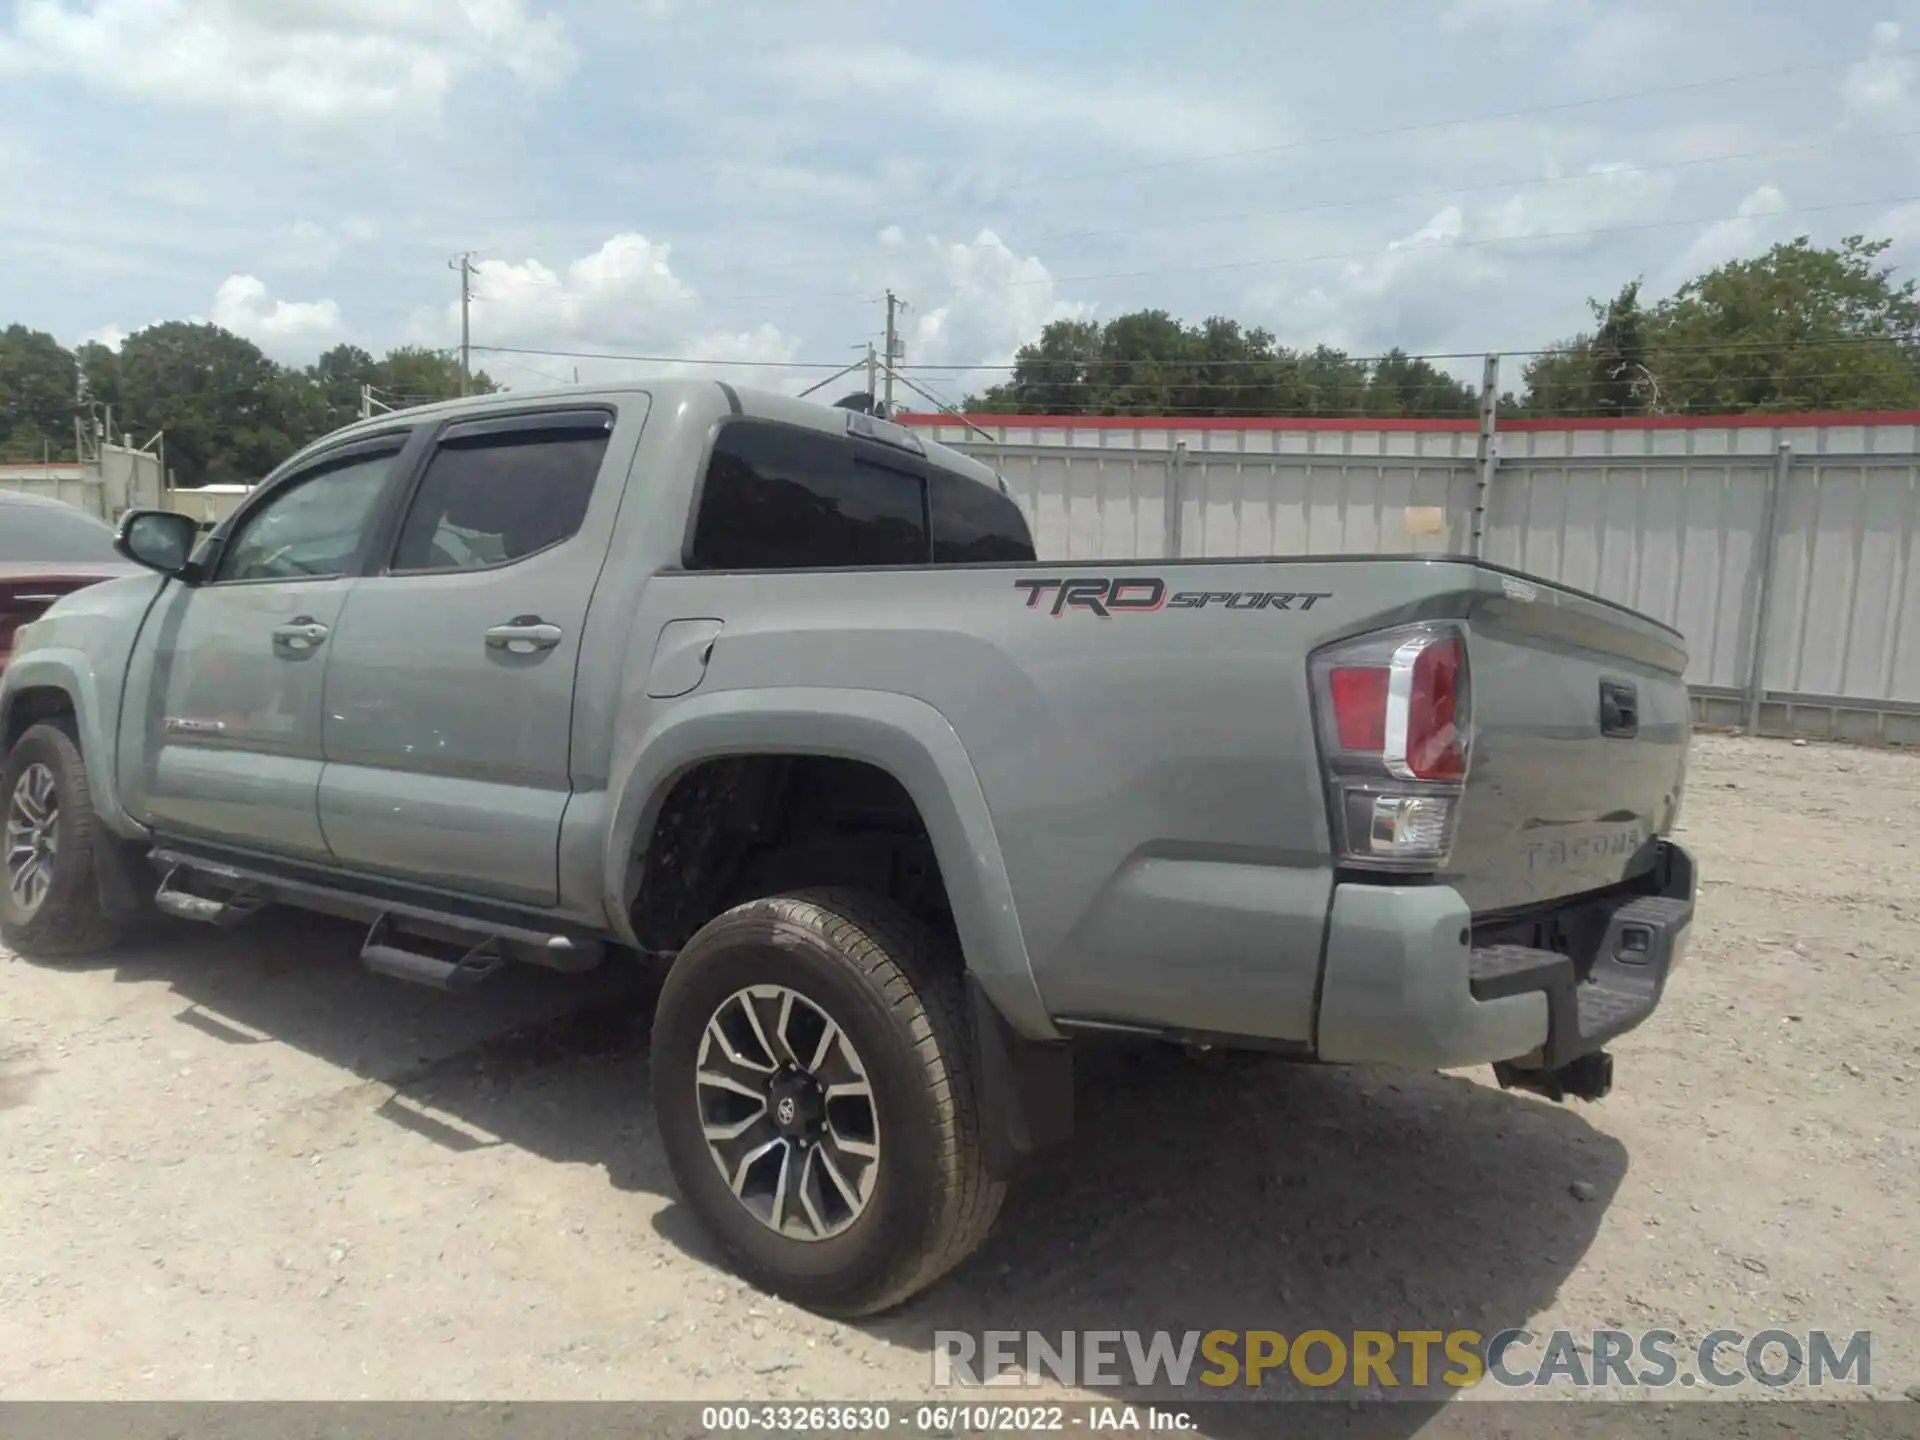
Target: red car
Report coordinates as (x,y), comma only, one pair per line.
(48,548)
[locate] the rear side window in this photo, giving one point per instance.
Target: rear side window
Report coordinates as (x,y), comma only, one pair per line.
(779,497)
(976,524)
(492,499)
(54,534)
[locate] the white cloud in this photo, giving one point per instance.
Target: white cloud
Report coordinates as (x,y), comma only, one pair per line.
(624,297)
(1126,112)
(1879,87)
(283,328)
(1606,196)
(305,60)
(624,292)
(978,302)
(1593,41)
(305,246)
(1414,289)
(290,331)
(1754,226)
(1465,14)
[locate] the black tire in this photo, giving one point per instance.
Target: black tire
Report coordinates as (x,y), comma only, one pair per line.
(895,990)
(70,921)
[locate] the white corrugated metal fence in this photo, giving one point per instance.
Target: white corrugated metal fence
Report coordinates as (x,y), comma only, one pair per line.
(1665,516)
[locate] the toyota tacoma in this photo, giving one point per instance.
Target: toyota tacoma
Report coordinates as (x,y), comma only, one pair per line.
(780,695)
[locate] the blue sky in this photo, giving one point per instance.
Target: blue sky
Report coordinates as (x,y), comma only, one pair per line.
(741,179)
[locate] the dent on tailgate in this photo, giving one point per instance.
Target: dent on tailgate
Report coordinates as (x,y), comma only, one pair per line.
(1579,756)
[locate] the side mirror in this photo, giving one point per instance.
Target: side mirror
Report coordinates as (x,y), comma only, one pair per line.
(158,539)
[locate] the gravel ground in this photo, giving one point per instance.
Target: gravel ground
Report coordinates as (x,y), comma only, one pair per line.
(238,1166)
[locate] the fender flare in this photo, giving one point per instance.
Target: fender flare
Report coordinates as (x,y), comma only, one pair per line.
(69,672)
(905,737)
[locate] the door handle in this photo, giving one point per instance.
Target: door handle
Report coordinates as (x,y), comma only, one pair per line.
(524,635)
(302,634)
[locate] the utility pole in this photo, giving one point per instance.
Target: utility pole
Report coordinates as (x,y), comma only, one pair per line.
(895,350)
(464,264)
(873,373)
(366,402)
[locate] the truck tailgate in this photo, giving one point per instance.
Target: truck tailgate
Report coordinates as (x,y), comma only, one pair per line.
(1579,750)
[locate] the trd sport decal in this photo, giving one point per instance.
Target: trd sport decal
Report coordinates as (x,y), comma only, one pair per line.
(1136,594)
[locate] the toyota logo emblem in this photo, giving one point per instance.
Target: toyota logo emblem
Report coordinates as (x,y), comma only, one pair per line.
(785,1111)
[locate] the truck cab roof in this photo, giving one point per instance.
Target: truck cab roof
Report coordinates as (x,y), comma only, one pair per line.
(674,391)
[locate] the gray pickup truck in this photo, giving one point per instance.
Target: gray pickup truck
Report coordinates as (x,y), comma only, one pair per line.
(780,693)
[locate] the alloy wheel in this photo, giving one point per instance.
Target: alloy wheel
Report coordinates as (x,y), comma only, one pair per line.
(32,837)
(787,1111)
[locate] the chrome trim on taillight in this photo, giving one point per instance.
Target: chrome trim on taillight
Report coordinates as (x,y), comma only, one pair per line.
(1383,815)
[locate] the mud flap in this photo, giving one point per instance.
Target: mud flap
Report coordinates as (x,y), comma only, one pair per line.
(120,868)
(1026,1088)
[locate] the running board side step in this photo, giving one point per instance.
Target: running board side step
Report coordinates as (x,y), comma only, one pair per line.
(172,899)
(381,954)
(392,946)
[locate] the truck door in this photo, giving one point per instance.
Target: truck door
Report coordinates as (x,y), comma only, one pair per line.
(229,691)
(449,717)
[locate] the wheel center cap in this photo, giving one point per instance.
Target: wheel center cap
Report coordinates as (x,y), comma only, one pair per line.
(795,1102)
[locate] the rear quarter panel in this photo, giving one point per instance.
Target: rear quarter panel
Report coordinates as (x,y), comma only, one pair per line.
(1151,775)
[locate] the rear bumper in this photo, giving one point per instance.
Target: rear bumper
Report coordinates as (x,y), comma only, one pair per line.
(1410,982)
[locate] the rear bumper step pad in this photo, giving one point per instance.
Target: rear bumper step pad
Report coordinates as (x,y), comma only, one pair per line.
(1644,938)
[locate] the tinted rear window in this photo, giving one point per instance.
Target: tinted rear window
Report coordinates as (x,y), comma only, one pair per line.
(976,524)
(56,534)
(779,497)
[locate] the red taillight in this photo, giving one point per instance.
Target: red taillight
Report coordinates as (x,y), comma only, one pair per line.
(1436,749)
(1394,713)
(1360,706)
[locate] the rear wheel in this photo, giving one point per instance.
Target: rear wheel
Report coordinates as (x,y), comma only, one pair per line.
(49,851)
(812,1078)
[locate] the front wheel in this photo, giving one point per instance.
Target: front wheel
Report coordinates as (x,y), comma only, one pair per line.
(50,839)
(812,1079)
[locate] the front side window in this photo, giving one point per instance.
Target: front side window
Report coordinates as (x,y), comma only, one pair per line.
(312,528)
(492,499)
(779,497)
(976,524)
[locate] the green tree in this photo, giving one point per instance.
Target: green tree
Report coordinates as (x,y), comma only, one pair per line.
(1149,363)
(1799,328)
(413,375)
(1619,354)
(224,405)
(1402,384)
(38,382)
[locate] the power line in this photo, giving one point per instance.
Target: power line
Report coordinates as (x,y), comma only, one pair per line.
(657,359)
(775,301)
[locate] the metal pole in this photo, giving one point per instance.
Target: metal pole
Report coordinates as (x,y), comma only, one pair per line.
(873,374)
(1176,497)
(1763,584)
(464,264)
(1487,452)
(893,348)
